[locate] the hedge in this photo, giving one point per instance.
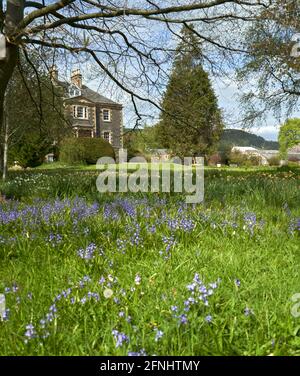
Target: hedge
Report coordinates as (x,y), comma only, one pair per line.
(84,150)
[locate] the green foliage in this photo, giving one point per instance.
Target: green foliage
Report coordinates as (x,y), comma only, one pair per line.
(274,161)
(30,151)
(247,160)
(191,122)
(35,114)
(71,151)
(140,142)
(238,137)
(84,150)
(289,136)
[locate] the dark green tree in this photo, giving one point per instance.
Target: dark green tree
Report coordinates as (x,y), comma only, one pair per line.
(191,122)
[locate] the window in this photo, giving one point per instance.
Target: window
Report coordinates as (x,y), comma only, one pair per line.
(74,91)
(106,115)
(80,112)
(106,136)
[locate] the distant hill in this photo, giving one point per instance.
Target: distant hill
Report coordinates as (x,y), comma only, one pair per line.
(237,137)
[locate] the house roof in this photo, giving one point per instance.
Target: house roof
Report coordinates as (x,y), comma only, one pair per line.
(89,94)
(94,96)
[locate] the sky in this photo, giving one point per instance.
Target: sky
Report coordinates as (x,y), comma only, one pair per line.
(228,98)
(228,94)
(156,36)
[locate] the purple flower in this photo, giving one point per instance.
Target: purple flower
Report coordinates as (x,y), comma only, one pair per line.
(237,282)
(30,332)
(5,314)
(138,279)
(158,335)
(88,253)
(183,319)
(120,338)
(208,318)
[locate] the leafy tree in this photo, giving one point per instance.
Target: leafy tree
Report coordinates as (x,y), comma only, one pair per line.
(289,136)
(270,71)
(139,142)
(34,116)
(191,121)
(128,43)
(31,150)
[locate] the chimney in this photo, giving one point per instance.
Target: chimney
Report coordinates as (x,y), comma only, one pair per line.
(76,78)
(53,73)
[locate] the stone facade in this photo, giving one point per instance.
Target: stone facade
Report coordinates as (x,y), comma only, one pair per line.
(91,114)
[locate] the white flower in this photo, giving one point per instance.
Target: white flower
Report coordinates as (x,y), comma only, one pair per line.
(108,293)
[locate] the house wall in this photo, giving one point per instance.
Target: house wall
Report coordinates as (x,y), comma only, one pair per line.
(114,126)
(96,123)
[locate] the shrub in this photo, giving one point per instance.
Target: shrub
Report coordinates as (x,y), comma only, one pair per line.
(30,151)
(71,151)
(84,150)
(274,161)
(253,160)
(95,148)
(236,157)
(247,160)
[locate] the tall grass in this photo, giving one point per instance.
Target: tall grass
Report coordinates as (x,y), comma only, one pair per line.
(120,273)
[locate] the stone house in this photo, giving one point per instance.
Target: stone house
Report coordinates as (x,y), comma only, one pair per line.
(90,113)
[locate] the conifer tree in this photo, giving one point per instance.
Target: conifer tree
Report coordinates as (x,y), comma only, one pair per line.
(191,121)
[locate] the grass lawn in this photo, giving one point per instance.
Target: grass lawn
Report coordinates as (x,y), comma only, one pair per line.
(114,274)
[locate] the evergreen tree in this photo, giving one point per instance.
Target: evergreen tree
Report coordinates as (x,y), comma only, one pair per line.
(191,121)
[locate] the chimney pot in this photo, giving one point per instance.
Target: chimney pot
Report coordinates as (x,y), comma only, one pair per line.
(76,78)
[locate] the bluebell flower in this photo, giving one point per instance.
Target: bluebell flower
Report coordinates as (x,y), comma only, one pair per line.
(88,252)
(208,318)
(120,338)
(137,279)
(30,332)
(6,314)
(183,319)
(158,334)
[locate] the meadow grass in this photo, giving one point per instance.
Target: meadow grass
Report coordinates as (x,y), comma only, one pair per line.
(115,274)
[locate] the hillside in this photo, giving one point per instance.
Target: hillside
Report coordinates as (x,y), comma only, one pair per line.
(237,137)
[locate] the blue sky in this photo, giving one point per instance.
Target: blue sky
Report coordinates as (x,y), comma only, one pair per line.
(228,95)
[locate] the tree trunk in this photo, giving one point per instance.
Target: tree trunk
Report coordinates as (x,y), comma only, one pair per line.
(5,144)
(14,14)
